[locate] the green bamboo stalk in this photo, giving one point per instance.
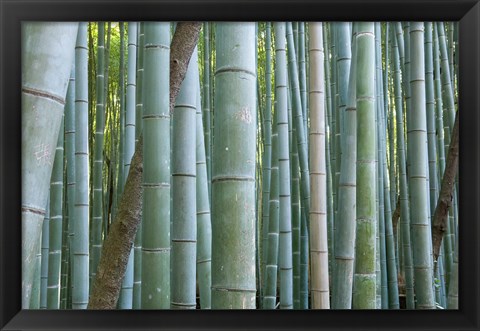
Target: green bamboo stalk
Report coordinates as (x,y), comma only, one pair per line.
(81,226)
(389,272)
(430,108)
(206,101)
(392,157)
(233,168)
(204,226)
(365,248)
(43,94)
(452,302)
(393,299)
(295,199)
(70,159)
(304,262)
(417,176)
(267,153)
(258,180)
(406,86)
(299,123)
(44,257)
(285,227)
(296,214)
(345,224)
(130,101)
(334,115)
(56,220)
(447,243)
(441,280)
(344,56)
(404,202)
(327,84)
(118,155)
(342,69)
(328,114)
(139,82)
(69,194)
(295,37)
(318,208)
(450,30)
(212,103)
(65,262)
(108,196)
(121,104)
(156,169)
(392,161)
(35,295)
(381,249)
(302,70)
(137,245)
(184,229)
(271,262)
(456,60)
(304,243)
(97,210)
(446,73)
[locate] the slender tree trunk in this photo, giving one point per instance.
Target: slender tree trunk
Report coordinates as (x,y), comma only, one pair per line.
(118,243)
(440,218)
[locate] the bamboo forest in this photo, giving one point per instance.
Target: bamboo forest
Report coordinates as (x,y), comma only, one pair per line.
(240,165)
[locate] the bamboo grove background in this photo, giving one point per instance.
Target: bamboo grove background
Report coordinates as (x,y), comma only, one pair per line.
(304,165)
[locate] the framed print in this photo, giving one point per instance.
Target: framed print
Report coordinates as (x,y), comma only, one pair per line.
(273,165)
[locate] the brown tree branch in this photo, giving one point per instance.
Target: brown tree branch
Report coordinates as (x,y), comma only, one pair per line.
(119,241)
(187,34)
(439,224)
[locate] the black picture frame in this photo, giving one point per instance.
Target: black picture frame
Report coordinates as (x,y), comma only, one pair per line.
(13,12)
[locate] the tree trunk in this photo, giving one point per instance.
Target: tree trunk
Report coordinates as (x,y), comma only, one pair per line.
(440,218)
(118,243)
